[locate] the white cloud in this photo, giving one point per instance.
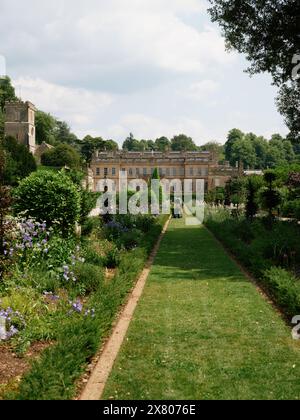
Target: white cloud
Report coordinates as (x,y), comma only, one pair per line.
(154,67)
(76,105)
(96,43)
(202,90)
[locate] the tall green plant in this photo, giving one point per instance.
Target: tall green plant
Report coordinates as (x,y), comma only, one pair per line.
(51,197)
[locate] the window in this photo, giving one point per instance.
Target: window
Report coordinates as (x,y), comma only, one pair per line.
(113,171)
(105,171)
(97,171)
(191,171)
(204,171)
(130,172)
(145,172)
(137,171)
(168,171)
(174,172)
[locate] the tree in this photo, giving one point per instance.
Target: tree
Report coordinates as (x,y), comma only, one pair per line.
(235,191)
(45,128)
(233,136)
(243,151)
(267,32)
(19,161)
(162,144)
(7,92)
(62,155)
(253,185)
(262,30)
(216,148)
(89,145)
(288,102)
(131,144)
(63,134)
(261,149)
(270,197)
(151,145)
(111,145)
(183,143)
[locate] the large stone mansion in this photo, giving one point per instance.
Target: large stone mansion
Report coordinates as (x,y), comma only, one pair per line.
(171,165)
(20,124)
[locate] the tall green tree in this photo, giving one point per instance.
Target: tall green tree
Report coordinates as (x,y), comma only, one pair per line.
(63,134)
(216,148)
(183,143)
(131,144)
(234,135)
(243,151)
(267,32)
(45,128)
(7,92)
(162,144)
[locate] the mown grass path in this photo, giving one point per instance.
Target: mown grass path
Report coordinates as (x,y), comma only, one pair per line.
(203,331)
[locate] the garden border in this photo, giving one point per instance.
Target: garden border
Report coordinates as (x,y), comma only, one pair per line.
(95,386)
(261,290)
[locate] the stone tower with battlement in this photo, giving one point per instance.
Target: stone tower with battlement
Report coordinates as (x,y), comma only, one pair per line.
(20,123)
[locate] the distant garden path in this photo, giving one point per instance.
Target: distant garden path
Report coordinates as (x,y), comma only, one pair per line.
(203,331)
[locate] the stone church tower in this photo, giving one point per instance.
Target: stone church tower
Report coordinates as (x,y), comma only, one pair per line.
(20,123)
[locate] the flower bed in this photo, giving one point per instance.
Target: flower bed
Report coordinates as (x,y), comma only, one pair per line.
(55,291)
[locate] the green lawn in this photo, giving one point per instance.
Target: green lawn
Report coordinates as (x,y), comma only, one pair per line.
(203,331)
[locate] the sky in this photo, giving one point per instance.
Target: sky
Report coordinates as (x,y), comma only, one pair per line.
(150,67)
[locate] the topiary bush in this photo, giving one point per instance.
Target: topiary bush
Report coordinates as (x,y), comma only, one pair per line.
(49,197)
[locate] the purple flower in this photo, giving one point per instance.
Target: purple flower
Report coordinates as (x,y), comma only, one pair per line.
(77,306)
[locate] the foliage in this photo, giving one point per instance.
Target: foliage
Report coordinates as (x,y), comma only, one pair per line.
(284,288)
(252,205)
(262,31)
(19,161)
(7,92)
(45,128)
(90,145)
(51,197)
(257,152)
(61,156)
(183,143)
(271,198)
(78,328)
(216,148)
(261,250)
(162,144)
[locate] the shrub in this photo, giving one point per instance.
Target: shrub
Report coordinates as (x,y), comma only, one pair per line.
(285,289)
(51,197)
(62,155)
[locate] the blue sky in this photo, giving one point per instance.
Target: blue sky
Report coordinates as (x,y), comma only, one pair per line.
(151,67)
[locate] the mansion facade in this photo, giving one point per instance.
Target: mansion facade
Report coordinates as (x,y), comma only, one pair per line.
(171,165)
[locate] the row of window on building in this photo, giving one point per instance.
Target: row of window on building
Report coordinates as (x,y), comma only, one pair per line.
(147,172)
